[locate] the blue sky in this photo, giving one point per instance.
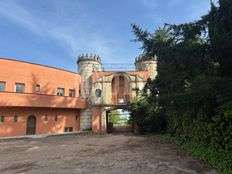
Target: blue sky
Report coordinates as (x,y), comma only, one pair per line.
(55,32)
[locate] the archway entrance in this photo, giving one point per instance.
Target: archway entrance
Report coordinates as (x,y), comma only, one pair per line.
(119,121)
(31,125)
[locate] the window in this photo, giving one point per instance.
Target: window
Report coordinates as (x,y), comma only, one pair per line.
(60,91)
(56,118)
(45,118)
(68,129)
(15,119)
(79,93)
(121,100)
(98,93)
(2,86)
(71,93)
(2,119)
(19,87)
(37,88)
(77,117)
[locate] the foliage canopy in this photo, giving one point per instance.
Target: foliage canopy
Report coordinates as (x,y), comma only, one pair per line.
(192,93)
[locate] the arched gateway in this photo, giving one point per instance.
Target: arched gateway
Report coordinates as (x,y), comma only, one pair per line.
(109,90)
(119,121)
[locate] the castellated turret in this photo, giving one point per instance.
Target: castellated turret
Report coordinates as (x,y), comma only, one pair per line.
(87,64)
(145,63)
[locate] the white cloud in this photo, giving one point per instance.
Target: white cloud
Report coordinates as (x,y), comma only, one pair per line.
(18,15)
(74,31)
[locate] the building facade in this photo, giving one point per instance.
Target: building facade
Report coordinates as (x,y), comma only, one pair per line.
(37,99)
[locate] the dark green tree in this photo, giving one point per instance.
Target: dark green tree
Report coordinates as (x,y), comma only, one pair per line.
(194,72)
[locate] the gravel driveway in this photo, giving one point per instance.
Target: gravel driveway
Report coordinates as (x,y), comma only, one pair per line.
(103,154)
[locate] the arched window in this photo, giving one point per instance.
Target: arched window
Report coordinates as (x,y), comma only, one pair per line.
(98,93)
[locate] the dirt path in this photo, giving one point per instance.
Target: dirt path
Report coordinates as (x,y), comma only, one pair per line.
(102,154)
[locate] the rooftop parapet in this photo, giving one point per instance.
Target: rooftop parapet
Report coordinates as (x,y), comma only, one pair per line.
(86,57)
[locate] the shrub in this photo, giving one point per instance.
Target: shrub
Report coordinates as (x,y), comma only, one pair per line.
(148,119)
(220,128)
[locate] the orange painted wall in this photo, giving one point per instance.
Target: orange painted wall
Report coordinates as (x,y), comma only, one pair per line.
(96,119)
(49,80)
(31,74)
(66,118)
(40,100)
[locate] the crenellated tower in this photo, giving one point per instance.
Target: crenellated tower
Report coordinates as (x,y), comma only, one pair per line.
(86,66)
(145,63)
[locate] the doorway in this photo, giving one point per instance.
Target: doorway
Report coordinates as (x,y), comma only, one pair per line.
(119,121)
(31,125)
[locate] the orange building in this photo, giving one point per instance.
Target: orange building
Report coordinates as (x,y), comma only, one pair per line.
(37,99)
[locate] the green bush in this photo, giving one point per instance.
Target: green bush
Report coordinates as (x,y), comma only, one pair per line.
(215,131)
(148,119)
(220,160)
(220,128)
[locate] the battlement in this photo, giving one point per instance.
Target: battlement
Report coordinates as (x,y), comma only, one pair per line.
(147,63)
(89,58)
(143,57)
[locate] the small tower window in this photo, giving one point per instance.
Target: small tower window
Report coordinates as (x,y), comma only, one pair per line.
(98,93)
(2,86)
(71,93)
(2,119)
(45,118)
(15,119)
(60,91)
(68,129)
(37,88)
(56,118)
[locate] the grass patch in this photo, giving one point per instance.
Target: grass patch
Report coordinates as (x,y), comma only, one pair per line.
(220,160)
(122,124)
